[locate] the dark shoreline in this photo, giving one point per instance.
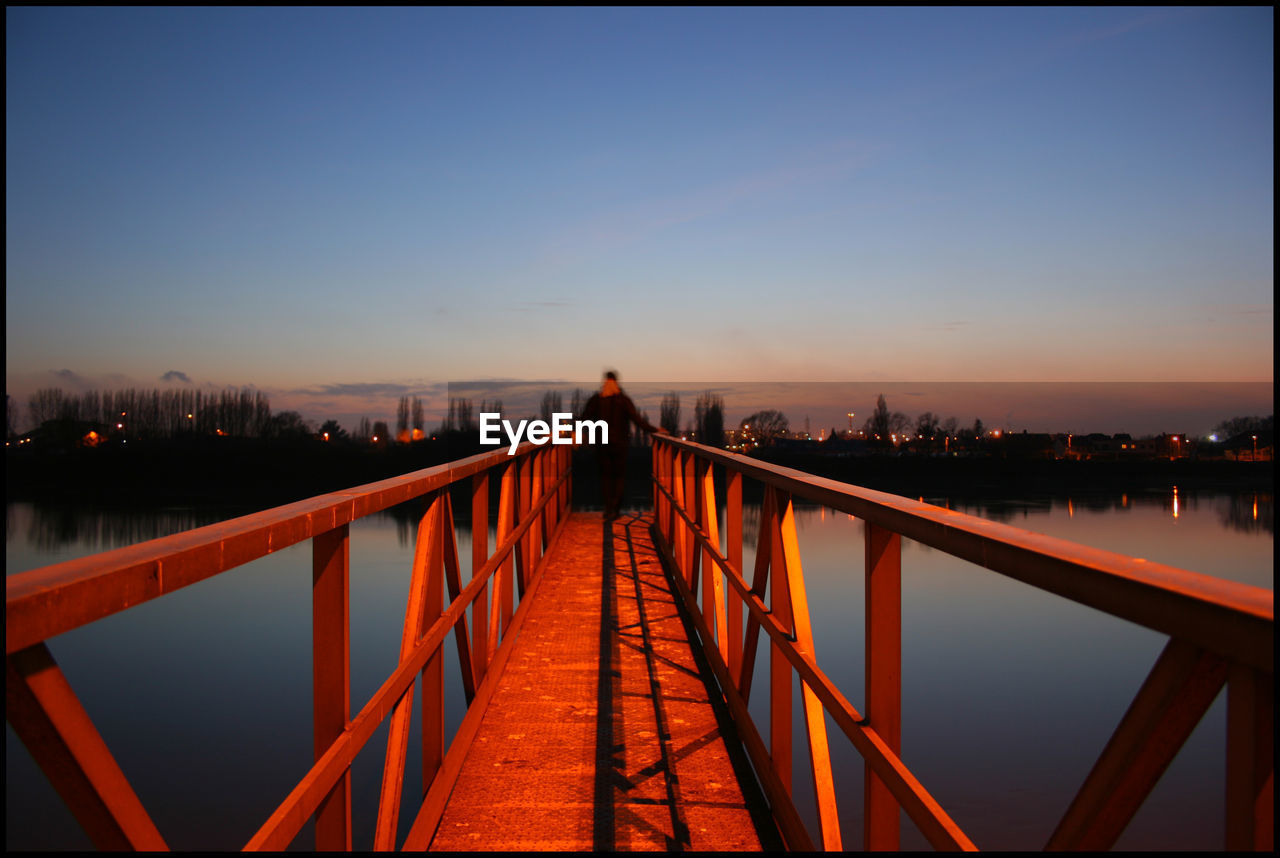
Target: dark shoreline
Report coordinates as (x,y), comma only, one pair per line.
(259,475)
(988,477)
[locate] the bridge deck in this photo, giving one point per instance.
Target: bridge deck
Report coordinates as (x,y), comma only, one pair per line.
(601,734)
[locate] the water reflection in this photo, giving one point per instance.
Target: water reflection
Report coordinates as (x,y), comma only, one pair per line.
(1254,513)
(1009,693)
(1249,512)
(48,528)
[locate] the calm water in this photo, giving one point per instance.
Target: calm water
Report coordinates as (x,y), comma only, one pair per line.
(1009,694)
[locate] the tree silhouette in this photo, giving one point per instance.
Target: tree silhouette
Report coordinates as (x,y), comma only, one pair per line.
(877,425)
(288,425)
(331,431)
(402,419)
(1245,426)
(709,417)
(767,425)
(927,425)
(669,413)
(418,420)
(551,404)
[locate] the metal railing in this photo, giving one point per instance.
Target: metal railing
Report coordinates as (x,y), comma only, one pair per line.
(1221,633)
(533,504)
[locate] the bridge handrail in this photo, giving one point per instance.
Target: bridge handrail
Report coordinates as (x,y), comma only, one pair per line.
(1216,627)
(45,602)
(41,603)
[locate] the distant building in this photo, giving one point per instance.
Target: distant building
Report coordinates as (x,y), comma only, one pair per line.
(1250,447)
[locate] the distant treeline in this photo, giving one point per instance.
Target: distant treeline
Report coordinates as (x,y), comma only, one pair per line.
(244,413)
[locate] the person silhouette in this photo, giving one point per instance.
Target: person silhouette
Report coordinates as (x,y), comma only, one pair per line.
(616,409)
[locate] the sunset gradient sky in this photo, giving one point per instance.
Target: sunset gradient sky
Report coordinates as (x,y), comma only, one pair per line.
(342,206)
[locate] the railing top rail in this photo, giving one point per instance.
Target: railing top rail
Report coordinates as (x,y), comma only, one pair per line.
(45,602)
(1234,619)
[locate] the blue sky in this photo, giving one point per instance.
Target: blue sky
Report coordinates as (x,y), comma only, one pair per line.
(339,206)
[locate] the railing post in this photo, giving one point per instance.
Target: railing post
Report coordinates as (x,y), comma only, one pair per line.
(691,509)
(524,558)
(479,555)
(433,670)
(733,529)
(678,532)
(331,675)
(1250,759)
(655,455)
(500,613)
(537,461)
(883,656)
(779,666)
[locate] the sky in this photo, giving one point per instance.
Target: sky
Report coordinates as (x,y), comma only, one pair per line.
(344,206)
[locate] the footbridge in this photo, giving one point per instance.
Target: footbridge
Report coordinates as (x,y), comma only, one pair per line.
(614,671)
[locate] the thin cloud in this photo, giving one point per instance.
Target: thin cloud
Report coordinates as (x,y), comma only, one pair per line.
(534,306)
(175,375)
(628,225)
(1140,23)
(948,326)
(376,388)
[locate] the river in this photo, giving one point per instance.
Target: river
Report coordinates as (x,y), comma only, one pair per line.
(1009,693)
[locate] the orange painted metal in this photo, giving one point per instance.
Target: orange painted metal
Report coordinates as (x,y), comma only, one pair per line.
(1232,619)
(285,822)
(504,587)
(46,715)
(759,582)
(398,727)
(433,803)
(713,586)
(48,718)
(883,659)
(331,675)
(46,602)
(1250,760)
(733,536)
(1220,622)
(934,823)
(1176,694)
(780,680)
(479,554)
(784,810)
(433,739)
(453,581)
(524,557)
(691,555)
(824,789)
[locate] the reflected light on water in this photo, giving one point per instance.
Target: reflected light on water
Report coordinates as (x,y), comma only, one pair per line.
(1175,501)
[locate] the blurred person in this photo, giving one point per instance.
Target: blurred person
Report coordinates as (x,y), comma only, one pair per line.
(616,409)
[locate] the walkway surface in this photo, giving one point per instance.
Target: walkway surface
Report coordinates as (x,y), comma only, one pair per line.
(601,734)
